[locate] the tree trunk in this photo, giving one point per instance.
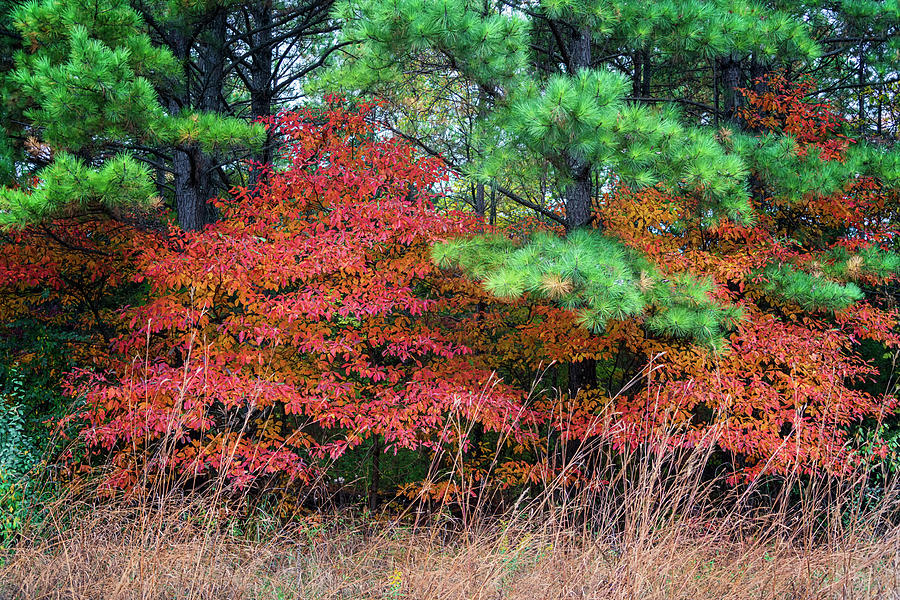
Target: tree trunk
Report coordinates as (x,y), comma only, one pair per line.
(637,75)
(375,480)
(582,375)
(730,72)
(192,188)
(261,77)
(191,167)
(640,82)
(480,205)
(195,170)
(578,192)
(578,196)
(211,59)
(647,74)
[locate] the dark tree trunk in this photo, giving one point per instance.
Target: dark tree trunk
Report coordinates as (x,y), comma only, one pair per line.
(193,188)
(194,178)
(211,59)
(191,167)
(578,196)
(732,81)
(582,375)
(261,76)
(480,204)
(578,192)
(647,74)
(375,480)
(640,82)
(638,75)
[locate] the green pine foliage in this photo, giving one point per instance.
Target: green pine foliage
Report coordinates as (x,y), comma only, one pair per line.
(7,160)
(685,308)
(712,28)
(490,49)
(775,162)
(873,261)
(867,29)
(594,275)
(809,291)
(582,114)
(559,113)
(121,182)
(94,89)
(89,77)
(585,114)
(215,133)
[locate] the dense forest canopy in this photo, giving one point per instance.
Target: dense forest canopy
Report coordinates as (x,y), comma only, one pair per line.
(266,240)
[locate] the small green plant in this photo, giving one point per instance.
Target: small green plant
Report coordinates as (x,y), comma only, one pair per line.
(395,584)
(14,504)
(17,449)
(19,457)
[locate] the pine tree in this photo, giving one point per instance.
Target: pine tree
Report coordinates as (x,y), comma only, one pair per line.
(240,59)
(174,85)
(274,45)
(555,97)
(90,77)
(10,42)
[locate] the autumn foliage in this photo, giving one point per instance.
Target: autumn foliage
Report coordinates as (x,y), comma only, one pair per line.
(310,319)
(784,105)
(304,322)
(786,390)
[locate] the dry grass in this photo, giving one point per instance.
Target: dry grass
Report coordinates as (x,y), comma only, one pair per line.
(664,531)
(115,556)
(655,526)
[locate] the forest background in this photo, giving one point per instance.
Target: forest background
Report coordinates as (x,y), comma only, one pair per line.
(445,257)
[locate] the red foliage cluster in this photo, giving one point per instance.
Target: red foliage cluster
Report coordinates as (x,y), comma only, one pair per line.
(783,105)
(310,318)
(70,274)
(778,400)
(303,322)
(782,393)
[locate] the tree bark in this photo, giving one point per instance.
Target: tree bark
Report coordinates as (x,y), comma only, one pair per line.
(640,81)
(578,192)
(211,55)
(192,188)
(191,167)
(480,204)
(730,72)
(578,197)
(261,77)
(582,375)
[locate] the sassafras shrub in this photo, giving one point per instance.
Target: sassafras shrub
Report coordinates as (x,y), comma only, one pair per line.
(300,324)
